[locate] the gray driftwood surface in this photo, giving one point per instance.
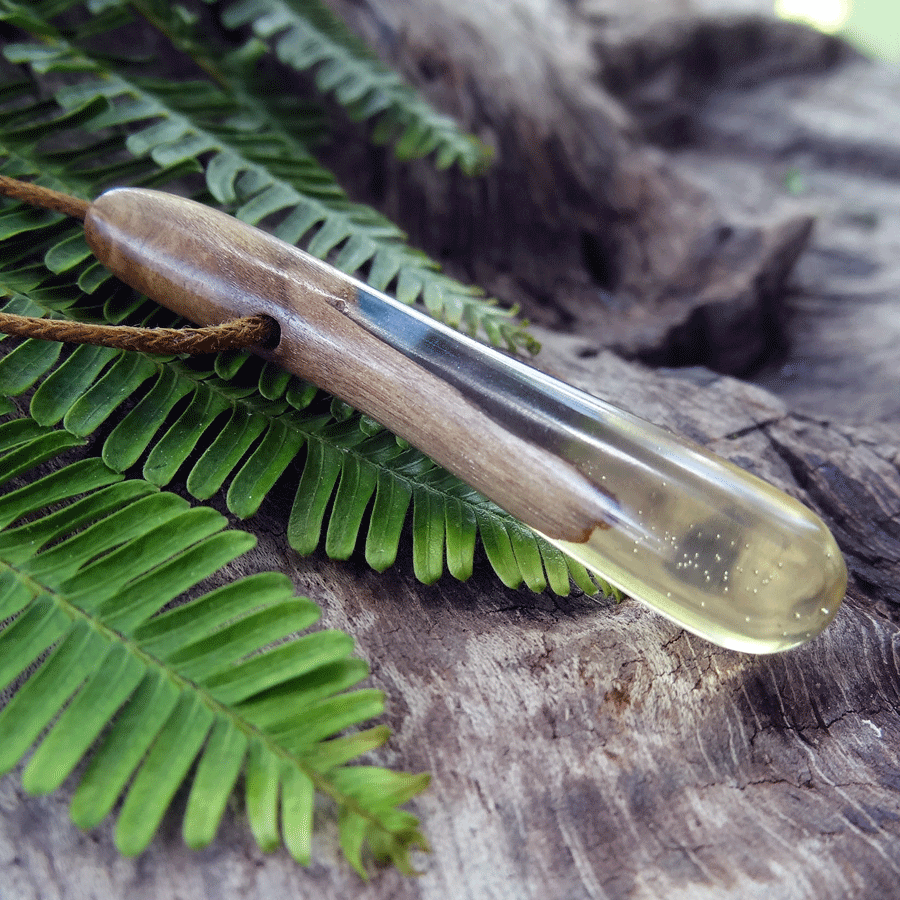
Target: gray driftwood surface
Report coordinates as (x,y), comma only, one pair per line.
(581,749)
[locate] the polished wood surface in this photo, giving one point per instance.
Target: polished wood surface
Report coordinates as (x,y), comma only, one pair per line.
(210,268)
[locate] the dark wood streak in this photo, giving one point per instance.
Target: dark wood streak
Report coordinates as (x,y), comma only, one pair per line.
(209,267)
(515,403)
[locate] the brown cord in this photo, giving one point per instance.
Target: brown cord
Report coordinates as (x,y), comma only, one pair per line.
(252,331)
(235,335)
(35,195)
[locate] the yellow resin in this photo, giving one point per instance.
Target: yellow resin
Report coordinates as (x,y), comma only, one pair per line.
(762,576)
(715,549)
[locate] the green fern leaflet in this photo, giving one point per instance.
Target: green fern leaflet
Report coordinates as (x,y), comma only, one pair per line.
(121,678)
(307,35)
(253,164)
(221,685)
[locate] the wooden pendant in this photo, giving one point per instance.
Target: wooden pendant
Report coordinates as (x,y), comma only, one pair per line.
(717,550)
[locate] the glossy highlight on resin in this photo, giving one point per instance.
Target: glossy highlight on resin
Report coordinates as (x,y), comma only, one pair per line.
(715,549)
(710,546)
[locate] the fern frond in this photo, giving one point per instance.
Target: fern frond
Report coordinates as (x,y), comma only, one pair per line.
(149,697)
(256,169)
(222,683)
(307,36)
(355,483)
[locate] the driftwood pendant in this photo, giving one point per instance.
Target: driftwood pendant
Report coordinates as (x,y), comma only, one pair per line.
(717,550)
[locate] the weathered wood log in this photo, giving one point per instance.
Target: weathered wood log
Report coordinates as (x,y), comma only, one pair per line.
(582,749)
(656,179)
(584,220)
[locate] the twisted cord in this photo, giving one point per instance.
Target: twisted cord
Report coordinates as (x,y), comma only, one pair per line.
(44,198)
(236,334)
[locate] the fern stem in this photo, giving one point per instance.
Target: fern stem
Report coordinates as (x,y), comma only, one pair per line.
(203,61)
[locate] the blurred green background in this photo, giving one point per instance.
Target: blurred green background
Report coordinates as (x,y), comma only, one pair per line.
(873,25)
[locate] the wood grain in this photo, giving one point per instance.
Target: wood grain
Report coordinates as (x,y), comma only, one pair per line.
(211,268)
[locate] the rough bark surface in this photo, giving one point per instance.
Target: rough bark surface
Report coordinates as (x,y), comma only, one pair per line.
(581,749)
(659,168)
